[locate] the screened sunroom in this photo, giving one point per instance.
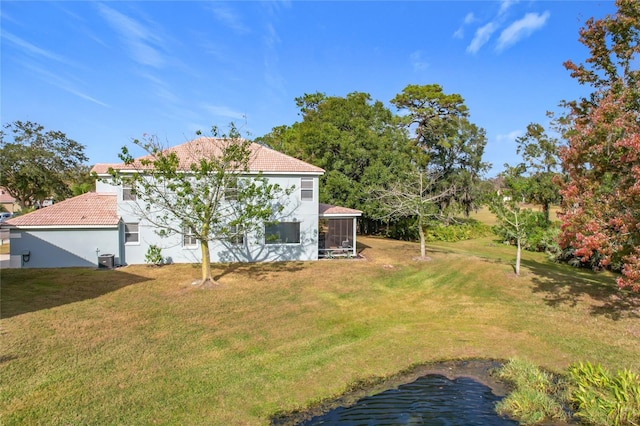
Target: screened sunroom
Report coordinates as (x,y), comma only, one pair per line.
(337,231)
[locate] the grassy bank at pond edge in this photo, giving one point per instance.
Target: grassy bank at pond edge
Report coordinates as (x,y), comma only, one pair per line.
(140,345)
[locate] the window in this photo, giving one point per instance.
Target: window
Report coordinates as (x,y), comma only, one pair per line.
(131,233)
(128,192)
(236,235)
(188,237)
(231,189)
(282,233)
(306,189)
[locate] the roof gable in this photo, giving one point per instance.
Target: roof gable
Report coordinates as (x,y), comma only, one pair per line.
(90,209)
(327,210)
(262,158)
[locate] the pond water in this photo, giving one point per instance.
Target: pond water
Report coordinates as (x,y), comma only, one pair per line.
(462,392)
(433,399)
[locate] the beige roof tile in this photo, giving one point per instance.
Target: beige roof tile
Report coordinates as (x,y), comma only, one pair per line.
(90,209)
(328,209)
(263,159)
(5,197)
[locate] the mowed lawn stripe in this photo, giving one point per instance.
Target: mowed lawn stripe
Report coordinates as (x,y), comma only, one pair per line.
(140,345)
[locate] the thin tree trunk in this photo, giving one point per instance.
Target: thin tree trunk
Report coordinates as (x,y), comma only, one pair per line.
(545,211)
(518,257)
(423,244)
(206,262)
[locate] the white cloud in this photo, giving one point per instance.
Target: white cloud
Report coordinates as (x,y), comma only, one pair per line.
(63,84)
(223,111)
(509,137)
(32,49)
(521,28)
(418,62)
(505,5)
(272,74)
(470,18)
(482,36)
(229,18)
(141,41)
(161,89)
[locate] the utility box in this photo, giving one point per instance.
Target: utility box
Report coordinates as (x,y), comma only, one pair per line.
(106,261)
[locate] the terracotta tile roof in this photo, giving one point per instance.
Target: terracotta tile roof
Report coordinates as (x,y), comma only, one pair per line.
(102,168)
(5,197)
(263,159)
(90,209)
(328,209)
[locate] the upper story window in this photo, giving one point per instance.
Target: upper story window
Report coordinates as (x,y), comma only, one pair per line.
(306,189)
(188,237)
(128,192)
(231,189)
(131,233)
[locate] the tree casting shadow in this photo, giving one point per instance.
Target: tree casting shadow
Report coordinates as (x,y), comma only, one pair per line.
(257,271)
(565,285)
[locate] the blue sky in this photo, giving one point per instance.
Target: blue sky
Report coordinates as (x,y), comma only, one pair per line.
(107,72)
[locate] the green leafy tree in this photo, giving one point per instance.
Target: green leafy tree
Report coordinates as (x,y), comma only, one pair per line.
(358,142)
(446,143)
(538,172)
(205,191)
(514,222)
(81,181)
(601,198)
(37,164)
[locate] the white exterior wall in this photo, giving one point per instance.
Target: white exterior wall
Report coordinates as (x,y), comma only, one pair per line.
(254,248)
(58,248)
(107,187)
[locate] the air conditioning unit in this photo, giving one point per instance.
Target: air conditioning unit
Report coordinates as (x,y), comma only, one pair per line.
(106,261)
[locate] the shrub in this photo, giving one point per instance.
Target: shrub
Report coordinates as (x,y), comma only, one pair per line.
(466,229)
(542,236)
(154,255)
(602,398)
(595,395)
(535,397)
(459,230)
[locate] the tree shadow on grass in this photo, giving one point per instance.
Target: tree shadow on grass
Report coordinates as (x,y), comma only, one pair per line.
(256,271)
(565,285)
(31,290)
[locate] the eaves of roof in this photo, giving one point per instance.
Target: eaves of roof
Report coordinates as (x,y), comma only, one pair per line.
(262,158)
(90,210)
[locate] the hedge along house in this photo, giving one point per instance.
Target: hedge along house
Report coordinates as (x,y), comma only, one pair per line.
(82,238)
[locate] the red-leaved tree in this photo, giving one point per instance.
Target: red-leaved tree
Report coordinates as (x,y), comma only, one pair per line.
(601,197)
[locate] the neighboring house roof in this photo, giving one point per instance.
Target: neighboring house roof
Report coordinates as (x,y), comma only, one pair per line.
(262,159)
(5,198)
(327,210)
(87,210)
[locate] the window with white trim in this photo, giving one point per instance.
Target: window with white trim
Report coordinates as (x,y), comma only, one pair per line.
(231,189)
(188,237)
(282,233)
(306,189)
(236,235)
(128,192)
(131,233)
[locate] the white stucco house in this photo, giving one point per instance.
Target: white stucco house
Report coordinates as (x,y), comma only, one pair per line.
(102,229)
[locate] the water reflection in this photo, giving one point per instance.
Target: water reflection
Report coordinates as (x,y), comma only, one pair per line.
(430,400)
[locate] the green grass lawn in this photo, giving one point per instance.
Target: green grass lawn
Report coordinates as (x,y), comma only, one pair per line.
(140,345)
